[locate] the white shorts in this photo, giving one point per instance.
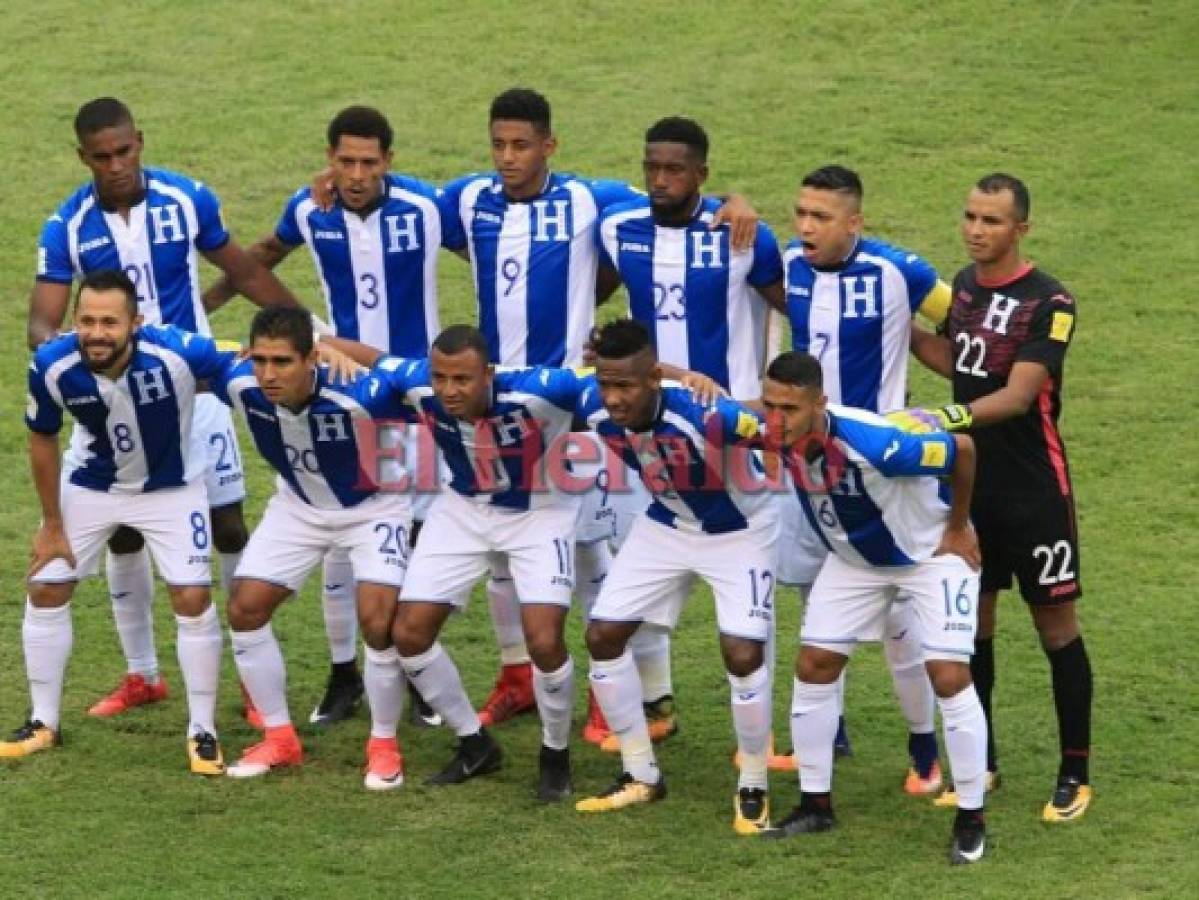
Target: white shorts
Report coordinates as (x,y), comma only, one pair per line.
(628,505)
(651,577)
(801,552)
(293,537)
(174,523)
(461,538)
(215,440)
(849,604)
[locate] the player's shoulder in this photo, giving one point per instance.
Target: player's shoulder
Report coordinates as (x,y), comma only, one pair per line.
(471,180)
(1045,287)
(406,187)
(538,380)
(793,254)
(54,350)
(160,179)
(634,208)
(170,337)
(900,257)
(84,195)
(861,429)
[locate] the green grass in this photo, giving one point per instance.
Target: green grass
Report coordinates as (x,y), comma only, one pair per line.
(1092,103)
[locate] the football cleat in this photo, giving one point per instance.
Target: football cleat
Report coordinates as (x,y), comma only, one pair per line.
(511,696)
(918,785)
(476,754)
(343,694)
(596,731)
(625,791)
(384,765)
(32,737)
(252,716)
(949,797)
(969,838)
(553,780)
(809,817)
(423,715)
(133,691)
(279,749)
(1069,801)
(751,811)
(204,754)
(775,762)
(660,717)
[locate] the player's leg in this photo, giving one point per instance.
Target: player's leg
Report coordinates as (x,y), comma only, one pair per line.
(905,659)
(593,559)
(513,691)
(344,687)
(642,586)
(131,590)
(450,556)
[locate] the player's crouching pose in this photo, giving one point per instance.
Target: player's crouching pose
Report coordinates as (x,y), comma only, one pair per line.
(701,523)
(306,428)
(873,494)
(132,390)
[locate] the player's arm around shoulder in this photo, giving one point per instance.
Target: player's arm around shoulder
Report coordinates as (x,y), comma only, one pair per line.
(959,537)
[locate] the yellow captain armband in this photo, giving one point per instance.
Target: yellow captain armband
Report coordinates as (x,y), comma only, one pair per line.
(935,305)
(583,371)
(228,346)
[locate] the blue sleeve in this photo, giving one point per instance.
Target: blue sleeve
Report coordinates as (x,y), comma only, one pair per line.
(587,400)
(384,391)
(288,229)
(206,358)
(42,414)
(53,253)
(453,235)
(212,234)
(739,423)
(560,386)
(608,192)
(768,261)
(898,454)
(230,370)
(920,276)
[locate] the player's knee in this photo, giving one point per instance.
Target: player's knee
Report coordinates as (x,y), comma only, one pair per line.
(243,610)
(376,627)
(548,651)
(948,678)
(229,532)
(605,640)
(741,657)
(190,600)
(126,540)
(50,596)
(818,666)
(409,638)
(1056,626)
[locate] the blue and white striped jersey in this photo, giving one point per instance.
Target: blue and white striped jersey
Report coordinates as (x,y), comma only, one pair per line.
(134,432)
(158,248)
(698,461)
(694,295)
(857,319)
(534,263)
(876,498)
(378,272)
(501,459)
(315,450)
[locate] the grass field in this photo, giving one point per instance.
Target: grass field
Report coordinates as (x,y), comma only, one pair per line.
(1092,103)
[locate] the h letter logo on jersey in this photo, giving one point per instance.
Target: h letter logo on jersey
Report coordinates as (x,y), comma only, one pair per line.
(151,385)
(865,293)
(999,312)
(330,427)
(545,221)
(706,244)
(168,227)
(401,239)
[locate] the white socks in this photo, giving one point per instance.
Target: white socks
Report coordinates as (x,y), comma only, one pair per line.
(47,635)
(260,665)
(341,611)
(750,697)
(383,680)
(618,691)
(436,679)
(906,661)
(814,711)
(555,693)
(505,619)
(966,745)
(198,644)
(131,588)
(650,646)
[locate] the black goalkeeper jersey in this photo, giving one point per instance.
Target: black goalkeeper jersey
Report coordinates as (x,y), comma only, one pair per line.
(992,327)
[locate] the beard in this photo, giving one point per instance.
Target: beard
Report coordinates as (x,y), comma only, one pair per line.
(106,360)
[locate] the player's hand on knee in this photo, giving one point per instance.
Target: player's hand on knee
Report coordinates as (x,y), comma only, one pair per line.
(961,542)
(50,542)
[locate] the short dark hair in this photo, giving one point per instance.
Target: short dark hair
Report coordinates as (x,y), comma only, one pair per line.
(835,178)
(677,130)
(459,338)
(621,339)
(101,113)
(522,105)
(110,280)
(998,182)
(363,122)
(290,323)
(797,369)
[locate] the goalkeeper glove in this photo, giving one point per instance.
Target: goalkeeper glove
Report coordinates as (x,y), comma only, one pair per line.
(955,417)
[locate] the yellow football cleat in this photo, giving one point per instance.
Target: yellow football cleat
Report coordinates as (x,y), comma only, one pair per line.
(32,737)
(949,797)
(1069,801)
(204,754)
(625,791)
(751,811)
